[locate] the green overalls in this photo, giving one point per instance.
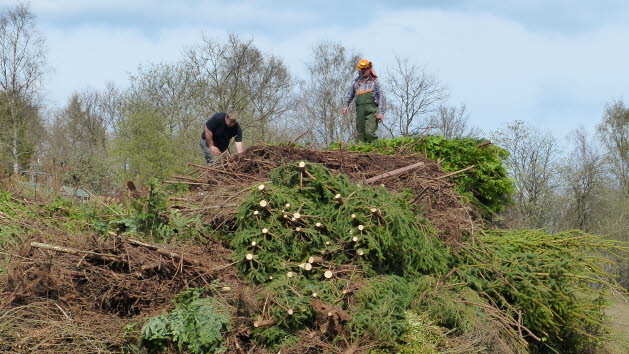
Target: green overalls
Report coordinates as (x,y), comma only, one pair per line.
(366,122)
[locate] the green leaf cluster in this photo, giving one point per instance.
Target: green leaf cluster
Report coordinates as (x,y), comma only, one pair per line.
(195,325)
(151,217)
(487,185)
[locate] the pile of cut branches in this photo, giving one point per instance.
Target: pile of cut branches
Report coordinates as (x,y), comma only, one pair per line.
(219,189)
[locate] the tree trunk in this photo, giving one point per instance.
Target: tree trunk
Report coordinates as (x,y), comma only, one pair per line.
(14,150)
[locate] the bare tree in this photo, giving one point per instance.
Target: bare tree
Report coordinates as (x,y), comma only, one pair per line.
(77,139)
(583,176)
(22,70)
(452,122)
(531,163)
(321,95)
(614,133)
(111,106)
(236,74)
(413,94)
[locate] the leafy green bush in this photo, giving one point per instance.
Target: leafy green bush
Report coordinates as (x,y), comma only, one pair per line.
(151,217)
(196,325)
(487,185)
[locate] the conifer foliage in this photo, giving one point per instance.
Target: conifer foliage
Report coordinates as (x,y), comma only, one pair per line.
(307,213)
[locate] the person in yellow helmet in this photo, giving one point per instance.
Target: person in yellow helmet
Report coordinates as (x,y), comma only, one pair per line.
(370,102)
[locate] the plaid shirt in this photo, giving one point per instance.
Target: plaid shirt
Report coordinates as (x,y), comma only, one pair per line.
(361,85)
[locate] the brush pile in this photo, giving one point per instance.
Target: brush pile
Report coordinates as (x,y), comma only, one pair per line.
(300,251)
(220,188)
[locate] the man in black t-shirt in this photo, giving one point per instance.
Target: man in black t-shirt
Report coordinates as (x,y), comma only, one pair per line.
(218,132)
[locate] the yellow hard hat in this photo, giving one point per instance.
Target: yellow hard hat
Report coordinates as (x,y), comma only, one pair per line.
(363,64)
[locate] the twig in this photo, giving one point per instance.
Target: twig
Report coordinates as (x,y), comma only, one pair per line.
(456,172)
(164,252)
(299,137)
(221,171)
(62,311)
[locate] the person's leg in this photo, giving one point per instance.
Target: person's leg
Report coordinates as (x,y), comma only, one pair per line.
(360,122)
(207,153)
(371,125)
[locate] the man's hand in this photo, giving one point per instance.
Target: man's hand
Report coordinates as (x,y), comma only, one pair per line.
(379,117)
(344,111)
(215,150)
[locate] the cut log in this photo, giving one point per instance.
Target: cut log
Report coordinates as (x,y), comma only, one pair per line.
(315,260)
(394,172)
(155,266)
(263,323)
(484,143)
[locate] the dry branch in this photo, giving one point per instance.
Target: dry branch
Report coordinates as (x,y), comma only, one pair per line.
(456,172)
(164,252)
(88,254)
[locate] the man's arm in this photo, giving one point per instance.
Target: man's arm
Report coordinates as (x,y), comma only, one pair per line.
(209,139)
(381,101)
(349,97)
(239,139)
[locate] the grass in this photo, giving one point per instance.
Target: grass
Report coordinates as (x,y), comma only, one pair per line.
(619,313)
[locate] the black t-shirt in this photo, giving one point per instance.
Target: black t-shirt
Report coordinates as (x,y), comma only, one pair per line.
(221,133)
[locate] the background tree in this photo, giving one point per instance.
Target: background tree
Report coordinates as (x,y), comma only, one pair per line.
(22,70)
(452,122)
(532,165)
(413,94)
(614,133)
(236,74)
(143,147)
(331,71)
(583,181)
(78,154)
(613,217)
(170,91)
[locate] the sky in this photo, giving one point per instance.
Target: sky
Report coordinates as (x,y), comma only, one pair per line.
(552,63)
